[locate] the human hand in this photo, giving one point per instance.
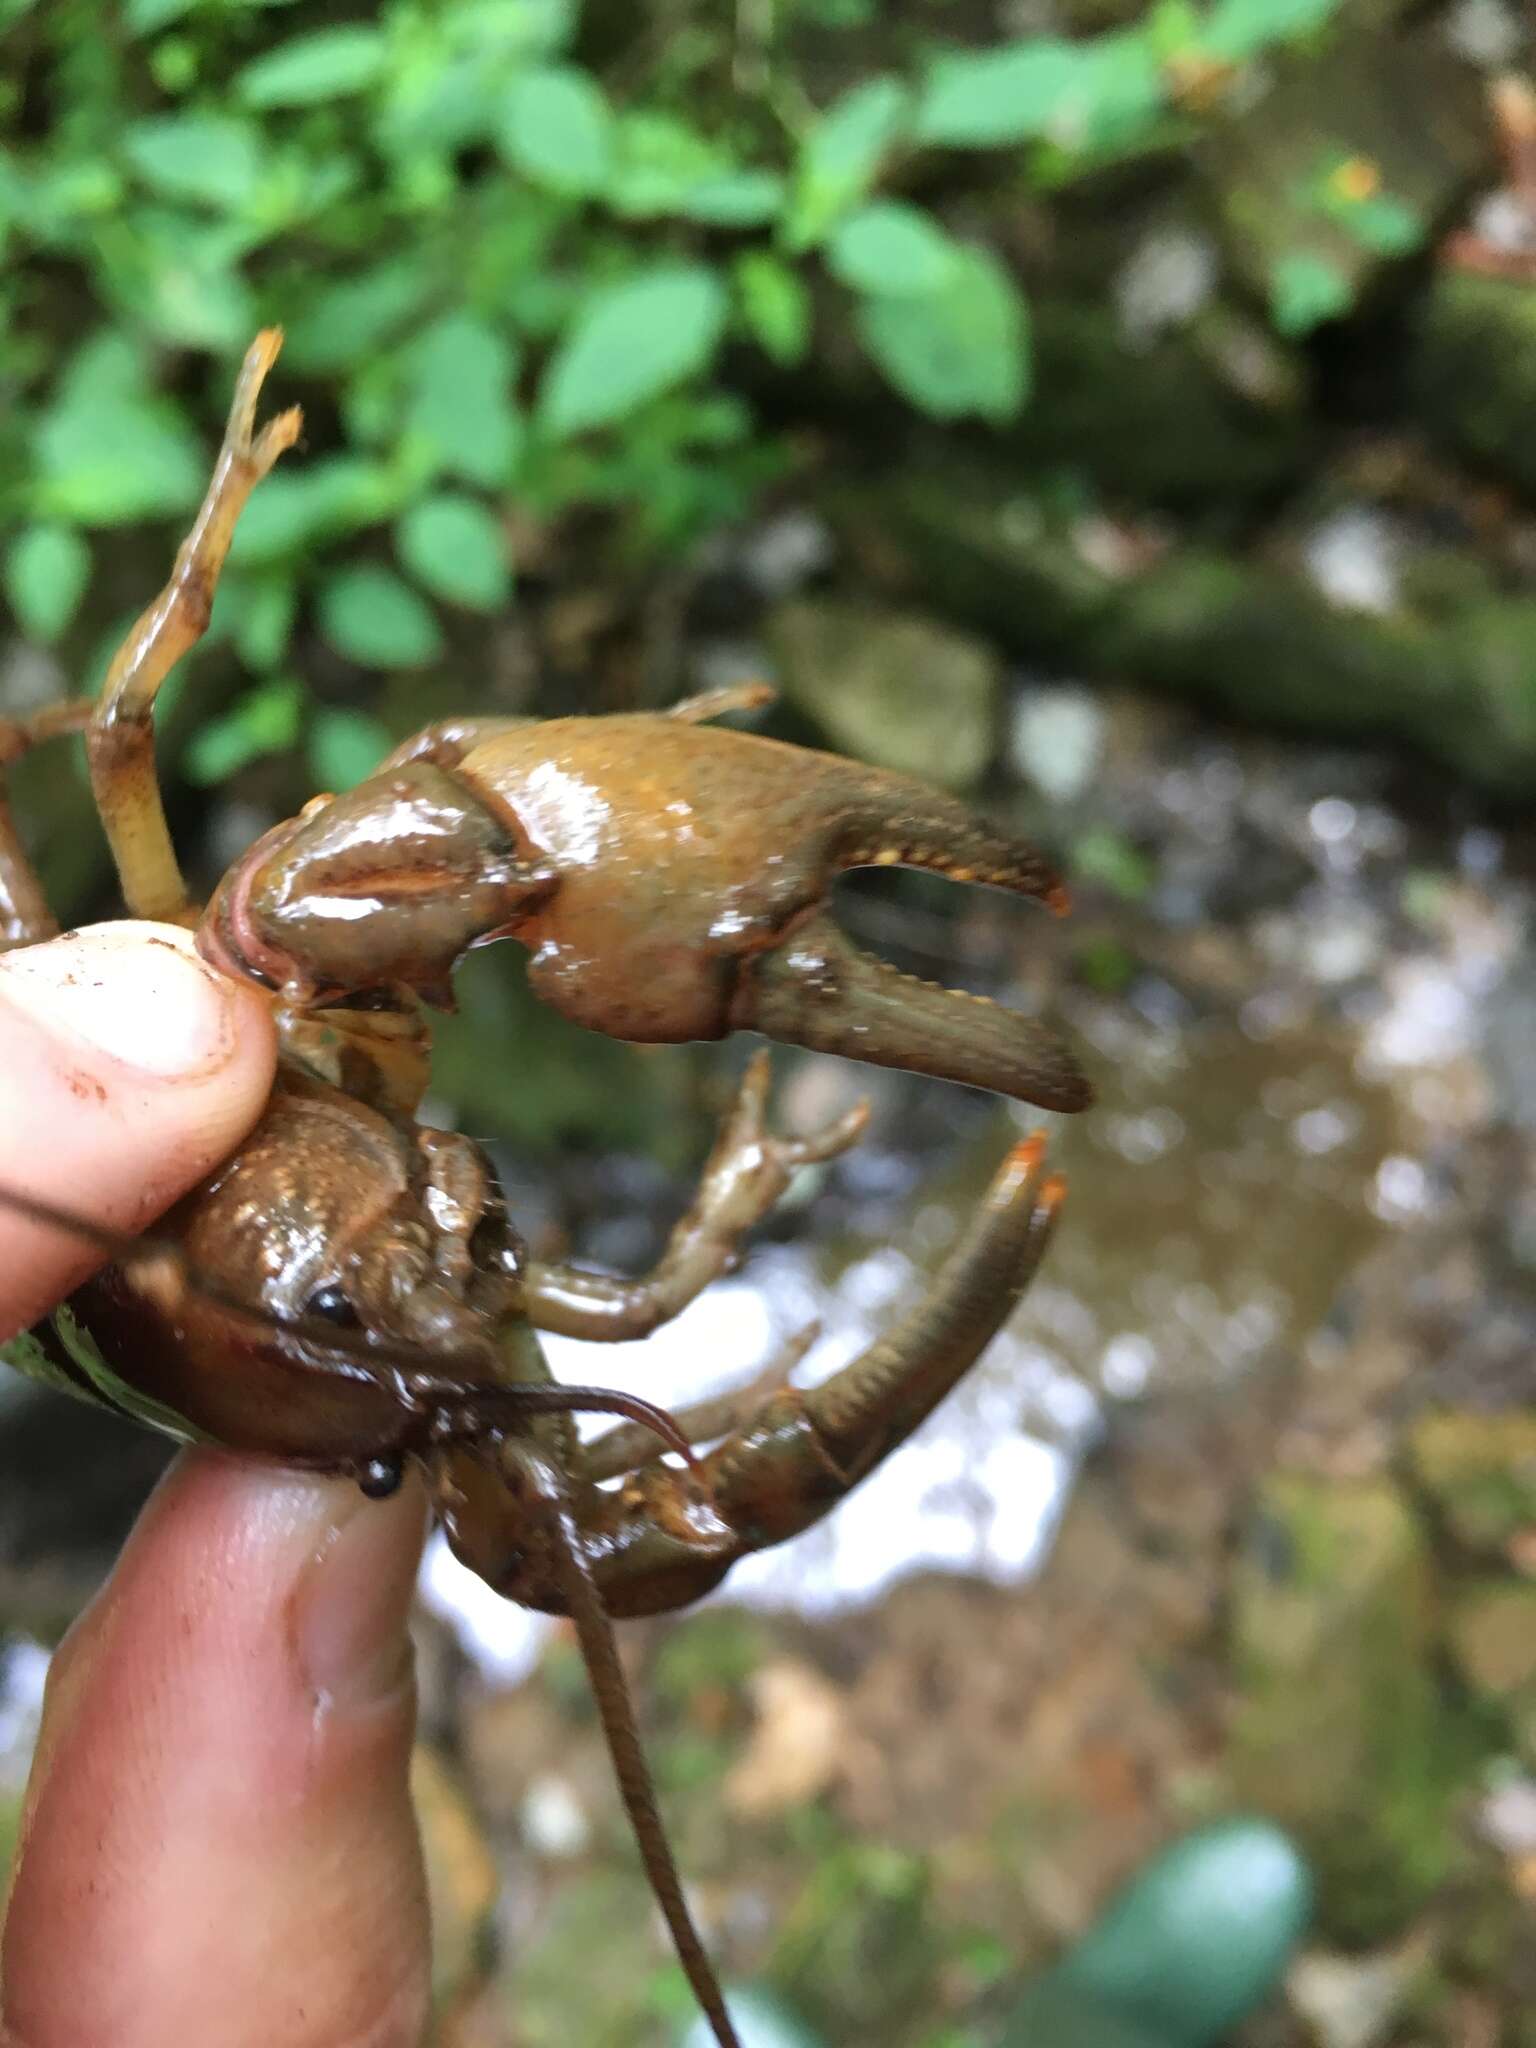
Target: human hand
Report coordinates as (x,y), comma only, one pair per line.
(218,1846)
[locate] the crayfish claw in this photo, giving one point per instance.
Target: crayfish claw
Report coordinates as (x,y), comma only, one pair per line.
(817,989)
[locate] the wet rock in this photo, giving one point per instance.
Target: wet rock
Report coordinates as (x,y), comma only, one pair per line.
(1480,1471)
(1244,637)
(1214,409)
(1169,276)
(785,552)
(1355,557)
(1509,1045)
(894,689)
(1057,741)
(1263,645)
(1398,106)
(964,539)
(1473,371)
(1339,1731)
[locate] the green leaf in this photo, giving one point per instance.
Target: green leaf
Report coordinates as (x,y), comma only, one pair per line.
(558,129)
(180,277)
(461,402)
(887,247)
(774,304)
(327,65)
(1091,96)
(663,166)
(658,161)
(630,342)
(1382,224)
(841,157)
(205,158)
(1106,856)
(345,746)
(1122,91)
(107,452)
(46,571)
(1306,290)
(374,618)
(736,199)
(146,17)
(456,547)
(984,98)
(960,351)
(354,316)
(264,721)
(257,613)
(1241,28)
(298,506)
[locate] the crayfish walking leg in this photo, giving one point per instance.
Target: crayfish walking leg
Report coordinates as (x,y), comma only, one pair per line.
(665,1538)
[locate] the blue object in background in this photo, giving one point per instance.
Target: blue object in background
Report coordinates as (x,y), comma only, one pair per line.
(1194,1943)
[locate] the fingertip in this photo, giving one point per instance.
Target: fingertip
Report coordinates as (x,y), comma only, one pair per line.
(128,1069)
(223,1779)
(138,1002)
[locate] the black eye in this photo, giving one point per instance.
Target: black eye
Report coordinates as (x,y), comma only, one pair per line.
(332,1305)
(381,1477)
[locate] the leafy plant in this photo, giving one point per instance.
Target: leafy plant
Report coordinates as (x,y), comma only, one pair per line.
(504,278)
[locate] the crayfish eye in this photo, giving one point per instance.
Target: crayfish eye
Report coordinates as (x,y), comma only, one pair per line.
(332,1305)
(381,1477)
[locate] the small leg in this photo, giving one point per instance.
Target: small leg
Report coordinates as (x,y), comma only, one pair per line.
(660,1541)
(120,742)
(716,703)
(631,1445)
(25,915)
(747,1172)
(448,741)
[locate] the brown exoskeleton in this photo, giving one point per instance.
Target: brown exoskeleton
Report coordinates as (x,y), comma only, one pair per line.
(347,1292)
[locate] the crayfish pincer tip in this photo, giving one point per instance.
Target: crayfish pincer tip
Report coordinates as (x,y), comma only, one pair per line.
(818,990)
(1027,1155)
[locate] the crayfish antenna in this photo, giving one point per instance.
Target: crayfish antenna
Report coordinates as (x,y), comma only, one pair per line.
(559,1399)
(528,1472)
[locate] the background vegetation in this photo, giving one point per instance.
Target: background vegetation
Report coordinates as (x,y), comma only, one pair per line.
(531,264)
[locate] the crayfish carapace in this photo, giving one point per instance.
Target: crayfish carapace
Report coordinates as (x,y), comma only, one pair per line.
(347,1292)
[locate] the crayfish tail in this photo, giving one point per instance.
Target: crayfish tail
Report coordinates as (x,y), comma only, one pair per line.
(816,989)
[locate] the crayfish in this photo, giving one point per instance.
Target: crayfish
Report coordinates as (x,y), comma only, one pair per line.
(348,1292)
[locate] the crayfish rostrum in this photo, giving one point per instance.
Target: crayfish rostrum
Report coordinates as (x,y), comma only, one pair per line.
(348,1292)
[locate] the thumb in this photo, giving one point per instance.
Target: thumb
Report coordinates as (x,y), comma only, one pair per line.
(128,1069)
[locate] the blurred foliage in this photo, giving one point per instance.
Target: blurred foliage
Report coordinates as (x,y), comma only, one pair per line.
(520,255)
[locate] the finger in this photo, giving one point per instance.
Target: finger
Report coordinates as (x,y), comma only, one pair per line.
(128,1069)
(218,1844)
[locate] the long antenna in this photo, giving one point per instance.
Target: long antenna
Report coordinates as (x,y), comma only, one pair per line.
(610,1688)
